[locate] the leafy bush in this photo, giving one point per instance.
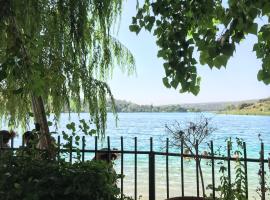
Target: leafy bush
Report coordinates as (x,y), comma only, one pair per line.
(237,188)
(26,178)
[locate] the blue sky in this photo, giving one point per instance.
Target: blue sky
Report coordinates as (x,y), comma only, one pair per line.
(237,82)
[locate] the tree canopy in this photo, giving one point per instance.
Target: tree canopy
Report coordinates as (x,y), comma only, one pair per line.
(210,27)
(61,50)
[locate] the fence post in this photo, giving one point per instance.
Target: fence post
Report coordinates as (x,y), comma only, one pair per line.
(96,147)
(58,148)
(262,172)
(167,169)
(152,193)
(109,149)
(197,168)
(182,168)
(135,170)
(122,168)
(1,144)
(70,150)
(213,171)
(229,162)
(246,169)
(83,148)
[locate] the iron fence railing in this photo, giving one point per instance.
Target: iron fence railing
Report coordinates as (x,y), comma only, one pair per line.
(212,158)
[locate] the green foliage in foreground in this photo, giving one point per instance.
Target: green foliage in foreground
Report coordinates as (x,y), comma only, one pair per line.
(262,107)
(238,187)
(29,179)
(210,27)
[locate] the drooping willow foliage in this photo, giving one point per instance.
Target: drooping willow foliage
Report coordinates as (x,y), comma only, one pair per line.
(61,50)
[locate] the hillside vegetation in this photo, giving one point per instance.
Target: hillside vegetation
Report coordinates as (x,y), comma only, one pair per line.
(125,106)
(261,107)
(248,107)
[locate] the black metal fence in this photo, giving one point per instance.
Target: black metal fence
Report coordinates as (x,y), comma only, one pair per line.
(212,158)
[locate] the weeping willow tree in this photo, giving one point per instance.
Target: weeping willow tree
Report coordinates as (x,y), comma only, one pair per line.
(53,52)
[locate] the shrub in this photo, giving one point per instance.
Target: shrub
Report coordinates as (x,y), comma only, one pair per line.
(26,178)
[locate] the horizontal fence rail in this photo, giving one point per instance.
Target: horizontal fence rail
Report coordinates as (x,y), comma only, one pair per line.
(212,158)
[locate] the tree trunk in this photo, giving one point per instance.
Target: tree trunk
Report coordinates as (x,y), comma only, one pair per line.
(202,179)
(41,120)
(200,168)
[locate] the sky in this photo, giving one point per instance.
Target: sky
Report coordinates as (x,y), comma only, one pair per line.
(238,81)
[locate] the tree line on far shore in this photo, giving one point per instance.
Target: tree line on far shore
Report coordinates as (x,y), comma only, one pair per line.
(125,106)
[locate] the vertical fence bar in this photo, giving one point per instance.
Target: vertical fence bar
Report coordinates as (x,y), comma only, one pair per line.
(96,147)
(12,145)
(22,145)
(262,172)
(151,172)
(197,168)
(245,166)
(135,172)
(229,162)
(167,168)
(213,171)
(109,149)
(83,148)
(1,144)
(70,150)
(1,141)
(22,142)
(58,148)
(182,168)
(122,168)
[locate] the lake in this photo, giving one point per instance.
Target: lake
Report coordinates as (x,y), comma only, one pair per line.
(146,125)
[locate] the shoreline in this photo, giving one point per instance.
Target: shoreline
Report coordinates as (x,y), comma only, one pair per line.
(243,113)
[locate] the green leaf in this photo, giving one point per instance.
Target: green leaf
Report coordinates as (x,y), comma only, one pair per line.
(266,34)
(253,29)
(50,123)
(151,21)
(71,126)
(77,138)
(195,90)
(166,82)
(228,49)
(220,61)
(92,132)
(162,53)
(174,83)
(134,28)
(266,8)
(204,57)
(134,20)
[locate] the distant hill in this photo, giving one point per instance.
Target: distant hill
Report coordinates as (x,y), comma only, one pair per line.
(224,107)
(125,106)
(214,106)
(260,107)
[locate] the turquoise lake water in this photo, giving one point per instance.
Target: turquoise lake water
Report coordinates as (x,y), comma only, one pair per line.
(146,125)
